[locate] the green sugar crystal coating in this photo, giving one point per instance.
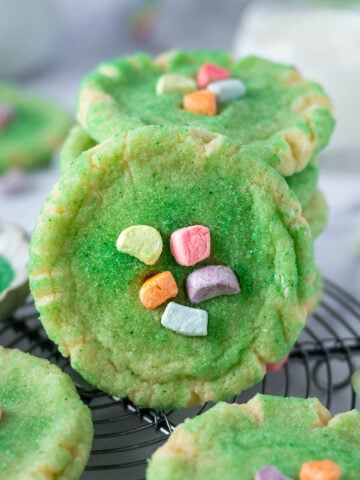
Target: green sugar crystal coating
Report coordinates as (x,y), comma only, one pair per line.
(316,213)
(303,183)
(35,131)
(6,274)
(76,142)
(45,430)
(281,116)
(235,441)
(88,293)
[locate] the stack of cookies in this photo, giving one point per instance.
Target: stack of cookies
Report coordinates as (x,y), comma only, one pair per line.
(174,259)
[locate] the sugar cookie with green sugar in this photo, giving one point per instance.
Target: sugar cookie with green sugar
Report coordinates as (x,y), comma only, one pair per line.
(284,118)
(87,292)
(45,429)
(14,277)
(316,213)
(235,441)
(302,183)
(35,130)
(313,302)
(76,142)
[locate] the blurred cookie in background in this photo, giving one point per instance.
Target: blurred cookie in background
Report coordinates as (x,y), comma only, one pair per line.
(31,129)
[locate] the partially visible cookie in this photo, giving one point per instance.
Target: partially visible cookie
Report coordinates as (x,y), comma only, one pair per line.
(76,142)
(284,118)
(233,441)
(314,301)
(45,429)
(316,213)
(14,259)
(90,290)
(31,132)
(302,183)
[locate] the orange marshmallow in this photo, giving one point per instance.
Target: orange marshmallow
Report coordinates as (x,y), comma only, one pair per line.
(320,470)
(201,101)
(157,289)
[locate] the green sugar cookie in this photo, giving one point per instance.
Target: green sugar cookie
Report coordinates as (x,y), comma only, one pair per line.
(87,292)
(6,274)
(76,142)
(14,258)
(36,128)
(313,302)
(232,441)
(302,183)
(284,118)
(316,213)
(45,429)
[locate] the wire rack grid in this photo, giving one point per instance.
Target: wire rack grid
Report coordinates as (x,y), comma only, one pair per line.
(320,364)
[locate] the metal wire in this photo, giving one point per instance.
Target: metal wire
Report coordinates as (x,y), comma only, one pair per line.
(320,364)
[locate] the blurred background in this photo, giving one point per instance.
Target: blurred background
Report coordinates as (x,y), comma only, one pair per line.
(47,46)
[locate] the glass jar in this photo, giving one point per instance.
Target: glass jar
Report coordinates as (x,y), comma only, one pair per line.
(322,38)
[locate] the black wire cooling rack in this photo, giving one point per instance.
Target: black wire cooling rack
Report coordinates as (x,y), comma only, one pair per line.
(320,364)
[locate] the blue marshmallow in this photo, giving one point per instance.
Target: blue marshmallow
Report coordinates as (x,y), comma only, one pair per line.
(226,90)
(185,320)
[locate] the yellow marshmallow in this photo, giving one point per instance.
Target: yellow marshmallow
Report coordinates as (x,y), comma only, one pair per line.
(173,82)
(141,241)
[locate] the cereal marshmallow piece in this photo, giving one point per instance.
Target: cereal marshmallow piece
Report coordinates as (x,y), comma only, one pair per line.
(202,102)
(6,114)
(211,281)
(13,181)
(141,241)
(157,289)
(320,470)
(275,367)
(188,321)
(0,412)
(211,73)
(270,473)
(227,90)
(173,82)
(190,245)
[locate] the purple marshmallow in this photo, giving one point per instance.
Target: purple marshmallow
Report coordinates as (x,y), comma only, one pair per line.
(270,473)
(13,181)
(6,114)
(209,282)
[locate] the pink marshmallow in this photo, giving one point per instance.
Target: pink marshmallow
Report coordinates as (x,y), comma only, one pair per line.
(190,245)
(275,367)
(211,73)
